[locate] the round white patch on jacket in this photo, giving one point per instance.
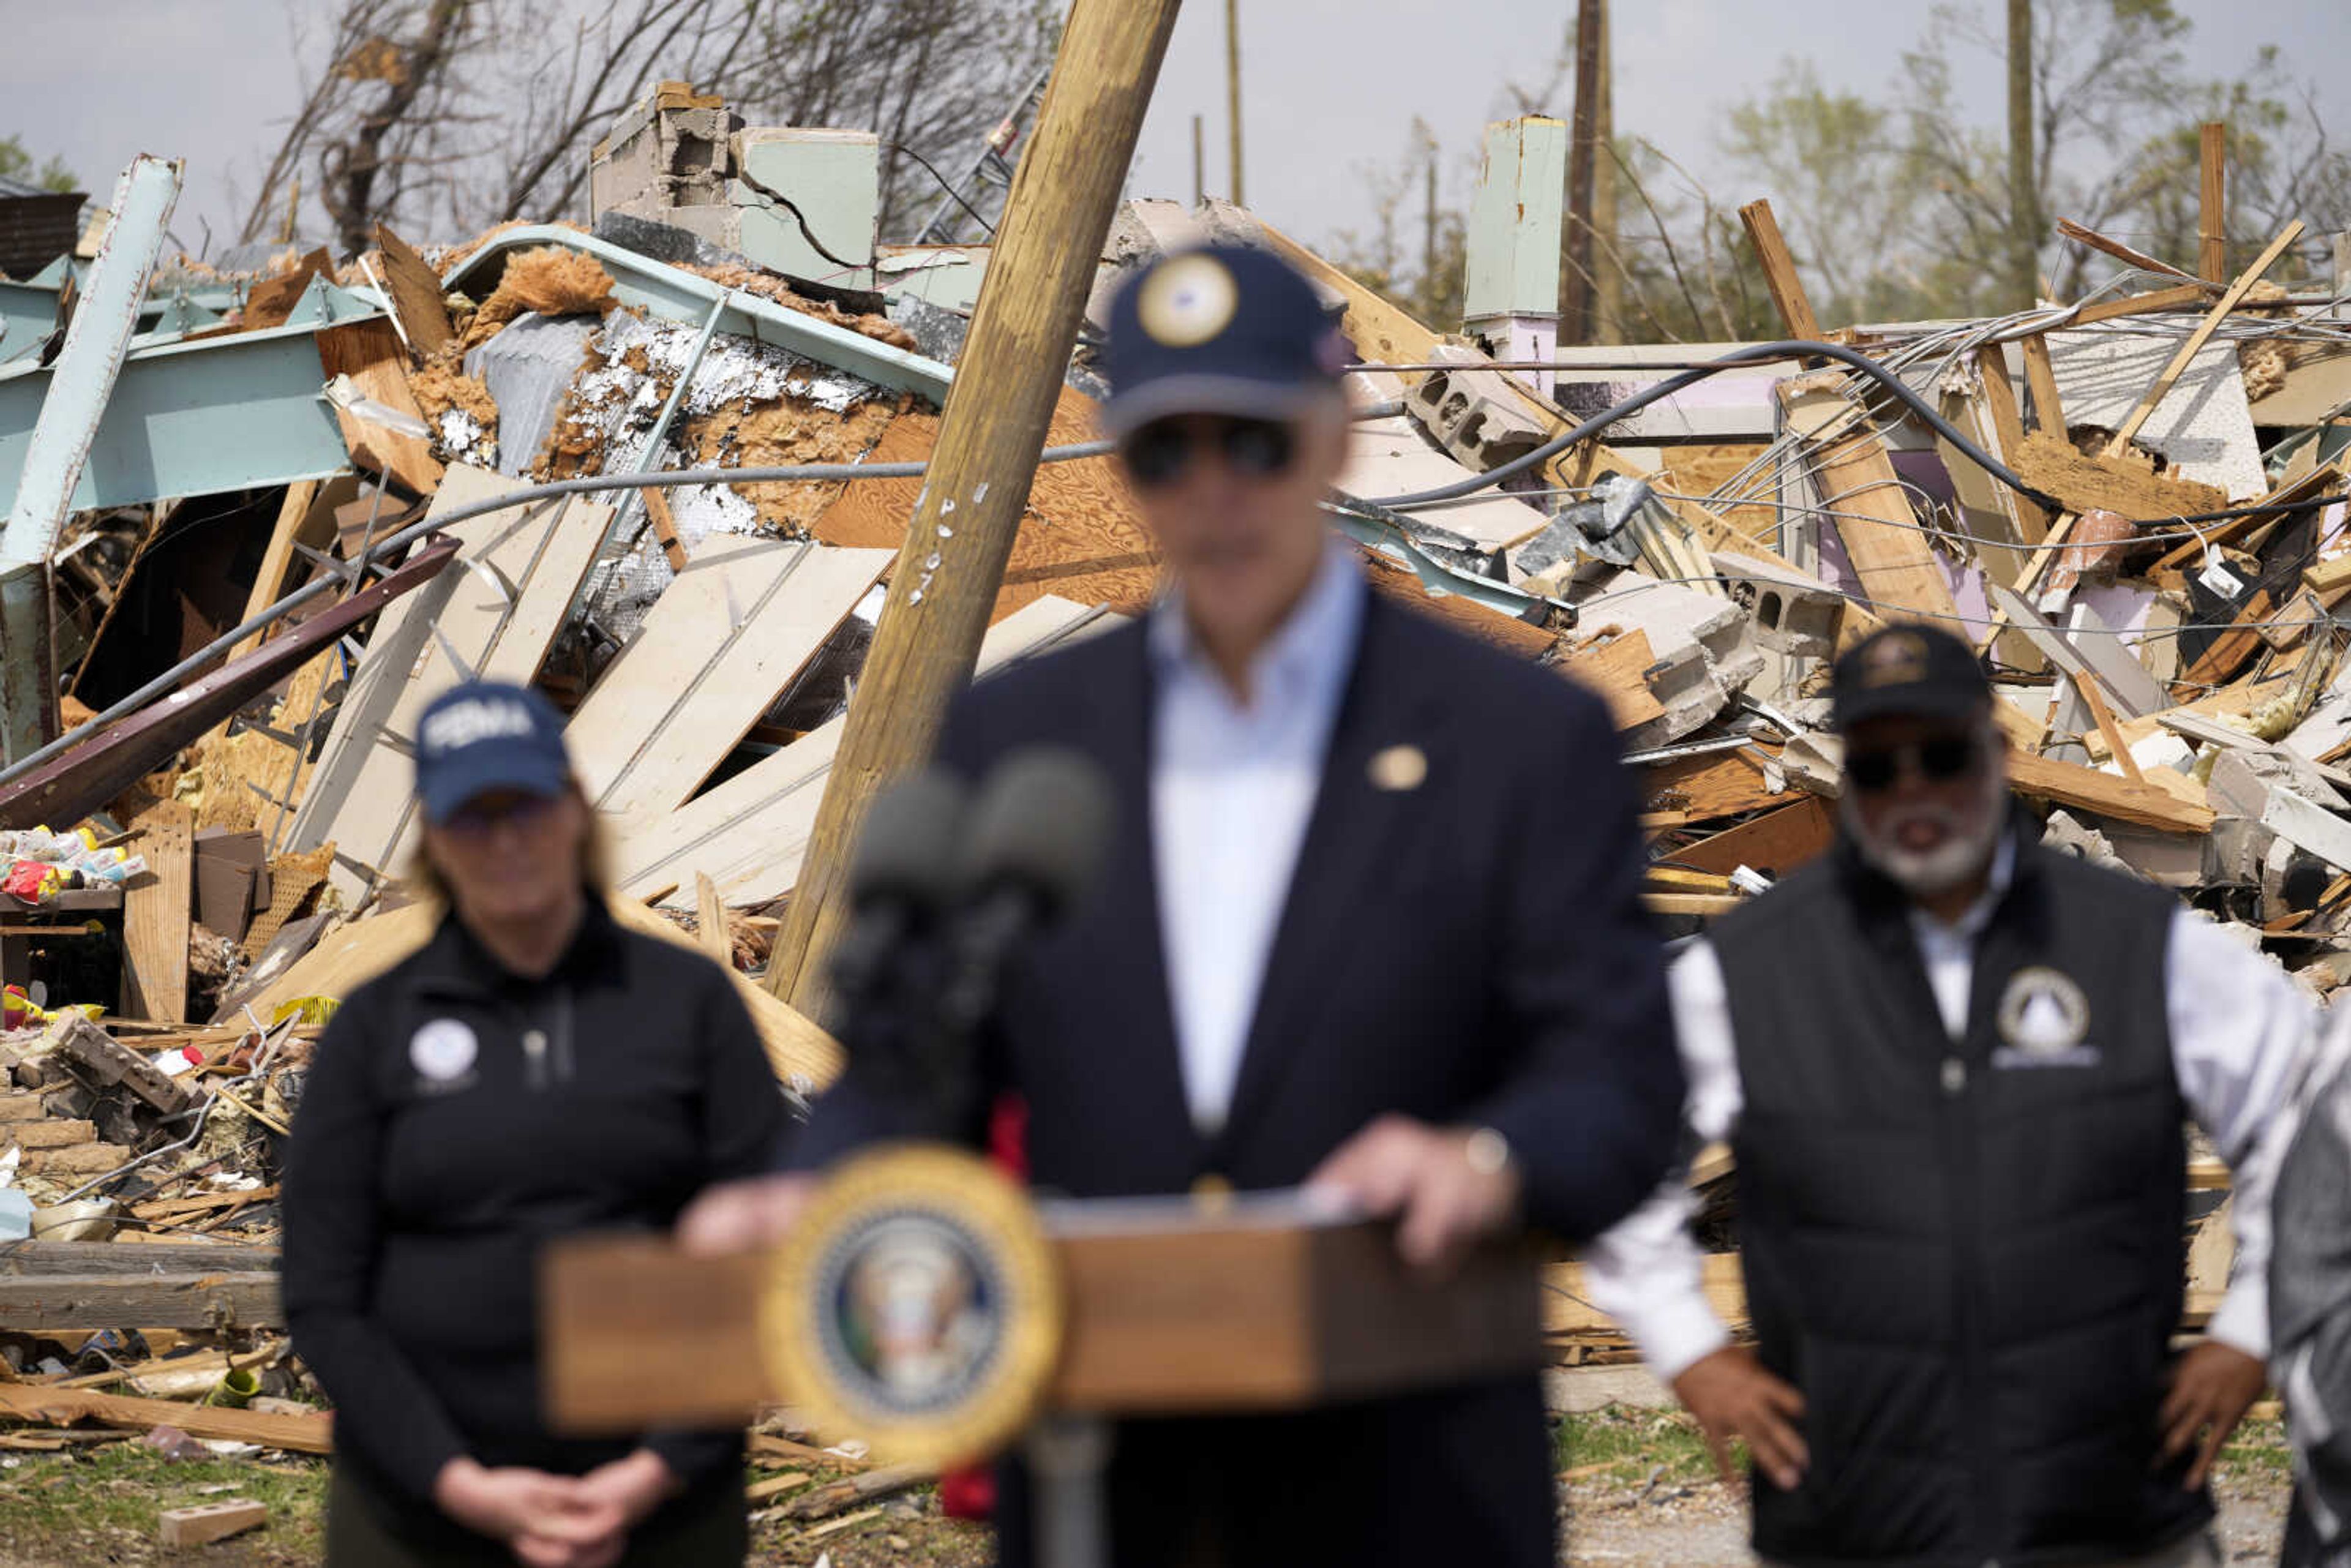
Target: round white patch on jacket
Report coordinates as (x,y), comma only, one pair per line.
(443,1049)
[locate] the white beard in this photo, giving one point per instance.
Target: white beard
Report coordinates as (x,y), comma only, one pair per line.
(1974,833)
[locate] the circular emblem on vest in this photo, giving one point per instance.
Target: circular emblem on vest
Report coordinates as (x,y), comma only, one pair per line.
(2044,1013)
(443,1049)
(1188,301)
(917,1304)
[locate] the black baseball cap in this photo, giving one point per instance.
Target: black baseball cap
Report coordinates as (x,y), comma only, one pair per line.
(1220,329)
(1910,671)
(483,736)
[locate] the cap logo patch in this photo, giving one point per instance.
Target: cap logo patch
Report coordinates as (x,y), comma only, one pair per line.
(1896,659)
(1188,301)
(462,724)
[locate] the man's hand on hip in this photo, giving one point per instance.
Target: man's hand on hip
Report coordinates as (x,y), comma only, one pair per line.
(1735,1396)
(1448,1188)
(2212,1388)
(742,1215)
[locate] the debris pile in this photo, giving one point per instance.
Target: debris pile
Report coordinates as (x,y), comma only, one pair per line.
(2134,504)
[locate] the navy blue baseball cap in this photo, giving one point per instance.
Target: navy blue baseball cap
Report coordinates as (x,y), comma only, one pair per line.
(485,736)
(1915,672)
(1221,329)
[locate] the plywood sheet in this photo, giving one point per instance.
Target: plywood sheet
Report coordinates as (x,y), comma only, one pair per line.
(499,607)
(749,834)
(719,647)
(155,914)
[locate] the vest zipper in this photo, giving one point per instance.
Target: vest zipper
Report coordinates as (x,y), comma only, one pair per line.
(1962,1143)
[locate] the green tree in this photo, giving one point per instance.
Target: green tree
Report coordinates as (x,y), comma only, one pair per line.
(17,163)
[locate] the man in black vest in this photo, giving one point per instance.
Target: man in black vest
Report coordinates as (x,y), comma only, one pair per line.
(1954,1067)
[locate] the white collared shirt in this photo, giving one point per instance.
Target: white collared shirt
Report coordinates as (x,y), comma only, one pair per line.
(2240,1029)
(1233,785)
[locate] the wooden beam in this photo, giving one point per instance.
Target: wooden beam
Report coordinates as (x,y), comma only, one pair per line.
(1046,252)
(2041,381)
(2104,794)
(710,921)
(1775,843)
(1779,271)
(2068,229)
(2181,297)
(2083,484)
(1891,553)
(2229,651)
(156,914)
(60,1407)
(43,1302)
(2211,206)
(2008,432)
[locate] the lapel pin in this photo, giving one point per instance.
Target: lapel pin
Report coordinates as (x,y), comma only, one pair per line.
(1399,768)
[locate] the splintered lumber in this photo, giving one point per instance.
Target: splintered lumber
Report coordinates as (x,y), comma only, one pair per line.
(2149,401)
(1009,382)
(2105,794)
(2229,651)
(1613,669)
(1773,843)
(2041,381)
(833,1497)
(710,921)
(1891,552)
(210,1521)
(722,644)
(2084,484)
(1780,272)
(369,352)
(60,1406)
(1712,785)
(156,912)
(2323,480)
(416,297)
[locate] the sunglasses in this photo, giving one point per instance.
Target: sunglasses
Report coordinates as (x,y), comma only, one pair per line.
(1160,451)
(1937,760)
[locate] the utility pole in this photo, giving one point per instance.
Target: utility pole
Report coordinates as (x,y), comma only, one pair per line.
(1607,262)
(1428,286)
(2213,204)
(990,434)
(2023,203)
(1233,92)
(1575,309)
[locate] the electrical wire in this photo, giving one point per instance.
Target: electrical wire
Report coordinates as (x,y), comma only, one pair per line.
(954,195)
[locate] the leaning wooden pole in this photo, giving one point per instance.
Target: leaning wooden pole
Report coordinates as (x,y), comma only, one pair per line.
(991,432)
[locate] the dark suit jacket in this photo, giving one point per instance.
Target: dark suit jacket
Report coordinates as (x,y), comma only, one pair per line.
(1468,951)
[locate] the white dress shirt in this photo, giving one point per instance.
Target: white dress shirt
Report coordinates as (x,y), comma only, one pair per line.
(1233,785)
(2239,1032)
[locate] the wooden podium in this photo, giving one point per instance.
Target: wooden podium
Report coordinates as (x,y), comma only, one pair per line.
(1170,1307)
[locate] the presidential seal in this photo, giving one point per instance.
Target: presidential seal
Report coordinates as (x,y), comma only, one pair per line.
(917,1304)
(2044,1019)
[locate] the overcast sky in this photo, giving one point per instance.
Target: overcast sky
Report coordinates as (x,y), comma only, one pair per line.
(1331,87)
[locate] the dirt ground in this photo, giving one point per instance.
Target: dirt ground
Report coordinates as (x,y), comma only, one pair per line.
(1636,1491)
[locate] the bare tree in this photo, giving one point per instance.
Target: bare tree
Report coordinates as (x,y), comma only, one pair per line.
(449,115)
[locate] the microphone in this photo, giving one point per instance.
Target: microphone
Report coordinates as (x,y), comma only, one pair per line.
(1037,835)
(901,876)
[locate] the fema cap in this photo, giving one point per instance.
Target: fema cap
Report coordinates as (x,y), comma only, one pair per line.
(1222,330)
(485,736)
(1910,671)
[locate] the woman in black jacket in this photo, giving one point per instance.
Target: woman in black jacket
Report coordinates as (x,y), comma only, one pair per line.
(534,1071)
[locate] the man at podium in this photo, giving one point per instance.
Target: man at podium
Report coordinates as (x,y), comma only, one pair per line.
(1368,920)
